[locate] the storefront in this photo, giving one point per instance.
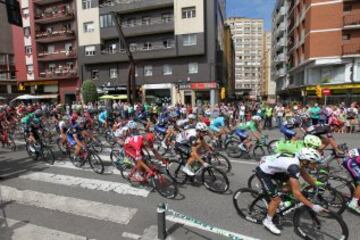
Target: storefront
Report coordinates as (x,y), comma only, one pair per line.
(199,93)
(347,92)
(160,93)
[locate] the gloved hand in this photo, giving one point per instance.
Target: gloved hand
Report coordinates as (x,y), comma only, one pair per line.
(318,208)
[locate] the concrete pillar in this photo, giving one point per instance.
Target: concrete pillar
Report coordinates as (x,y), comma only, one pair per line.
(212,98)
(9,90)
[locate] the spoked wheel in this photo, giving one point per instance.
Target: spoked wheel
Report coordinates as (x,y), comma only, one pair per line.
(250,205)
(31,151)
(76,161)
(215,180)
(342,185)
(254,183)
(258,152)
(116,156)
(96,145)
(326,225)
(164,185)
(11,143)
(126,168)
(233,150)
(96,163)
(174,169)
(49,155)
(330,199)
(221,162)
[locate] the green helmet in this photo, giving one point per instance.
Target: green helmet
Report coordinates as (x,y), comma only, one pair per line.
(312,141)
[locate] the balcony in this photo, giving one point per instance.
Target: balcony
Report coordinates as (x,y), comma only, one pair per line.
(58,73)
(124,6)
(54,17)
(55,36)
(352,21)
(57,55)
(351,49)
(280,58)
(47,2)
(280,43)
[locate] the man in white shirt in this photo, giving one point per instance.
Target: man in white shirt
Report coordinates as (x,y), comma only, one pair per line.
(279,111)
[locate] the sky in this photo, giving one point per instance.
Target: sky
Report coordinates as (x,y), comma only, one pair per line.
(252,9)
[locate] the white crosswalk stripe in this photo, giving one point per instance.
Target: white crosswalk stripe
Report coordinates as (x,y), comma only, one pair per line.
(19,230)
(69,165)
(80,207)
(87,183)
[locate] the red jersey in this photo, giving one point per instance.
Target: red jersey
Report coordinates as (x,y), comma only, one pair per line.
(133,146)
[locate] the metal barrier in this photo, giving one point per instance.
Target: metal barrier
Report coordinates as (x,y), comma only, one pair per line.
(175,216)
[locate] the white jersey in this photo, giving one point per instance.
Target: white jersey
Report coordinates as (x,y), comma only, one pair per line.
(62,125)
(186,135)
(121,132)
(278,164)
(182,122)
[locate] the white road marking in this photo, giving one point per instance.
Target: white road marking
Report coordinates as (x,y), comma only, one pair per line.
(244,162)
(87,183)
(69,165)
(19,230)
(80,207)
(131,236)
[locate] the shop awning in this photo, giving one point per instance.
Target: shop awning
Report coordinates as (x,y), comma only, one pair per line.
(34,97)
(114,97)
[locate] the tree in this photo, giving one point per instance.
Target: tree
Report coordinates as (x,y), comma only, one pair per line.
(89,92)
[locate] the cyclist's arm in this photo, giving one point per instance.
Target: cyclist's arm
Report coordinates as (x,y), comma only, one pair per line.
(256,134)
(307,177)
(296,190)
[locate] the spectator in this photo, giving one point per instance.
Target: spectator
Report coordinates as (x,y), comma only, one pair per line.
(315,113)
(279,112)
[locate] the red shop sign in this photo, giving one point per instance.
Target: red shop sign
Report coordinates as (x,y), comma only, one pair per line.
(202,86)
(326,92)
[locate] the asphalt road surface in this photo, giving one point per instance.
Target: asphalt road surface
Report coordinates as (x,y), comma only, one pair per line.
(40,201)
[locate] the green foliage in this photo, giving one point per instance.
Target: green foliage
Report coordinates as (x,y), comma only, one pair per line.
(89,92)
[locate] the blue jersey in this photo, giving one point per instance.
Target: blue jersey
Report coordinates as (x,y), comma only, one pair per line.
(103,116)
(218,122)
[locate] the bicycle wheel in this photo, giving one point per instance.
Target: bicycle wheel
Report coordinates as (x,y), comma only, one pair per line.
(250,205)
(49,155)
(271,146)
(328,198)
(215,180)
(164,185)
(233,150)
(31,151)
(61,146)
(174,169)
(258,152)
(221,162)
(327,225)
(11,143)
(125,168)
(116,156)
(96,163)
(254,183)
(342,185)
(96,145)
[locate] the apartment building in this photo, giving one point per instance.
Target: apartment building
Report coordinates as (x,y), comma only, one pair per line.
(324,49)
(280,44)
(268,84)
(178,47)
(248,39)
(47,51)
(8,88)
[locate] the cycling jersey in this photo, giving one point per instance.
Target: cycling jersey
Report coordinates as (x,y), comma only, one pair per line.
(121,132)
(133,146)
(250,125)
(186,136)
(217,124)
(74,130)
(279,164)
(352,165)
(103,116)
(290,148)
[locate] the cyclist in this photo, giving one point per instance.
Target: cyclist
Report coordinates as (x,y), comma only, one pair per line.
(287,170)
(290,148)
(74,134)
(252,127)
(291,128)
(217,125)
(103,118)
(189,143)
(63,127)
(33,124)
(352,165)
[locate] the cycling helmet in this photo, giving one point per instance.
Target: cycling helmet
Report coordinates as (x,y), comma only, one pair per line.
(150,138)
(201,127)
(191,117)
(132,125)
(80,121)
(353,153)
(38,113)
(256,118)
(309,154)
(312,141)
(172,114)
(208,112)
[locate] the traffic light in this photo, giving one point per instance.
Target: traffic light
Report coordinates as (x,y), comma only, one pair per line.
(222,93)
(21,87)
(318,91)
(13,12)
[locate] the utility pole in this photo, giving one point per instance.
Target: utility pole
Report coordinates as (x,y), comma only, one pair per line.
(131,83)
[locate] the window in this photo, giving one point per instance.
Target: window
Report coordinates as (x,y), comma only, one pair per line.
(50,48)
(193,68)
(90,51)
(130,22)
(25,12)
(94,74)
(147,46)
(167,43)
(112,48)
(190,40)
(52,67)
(27,31)
(106,21)
(89,27)
(113,73)
(88,4)
(346,37)
(166,17)
(167,70)
(148,71)
(133,47)
(347,8)
(146,21)
(28,50)
(29,69)
(189,12)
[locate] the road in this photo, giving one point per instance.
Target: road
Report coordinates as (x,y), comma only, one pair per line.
(39,201)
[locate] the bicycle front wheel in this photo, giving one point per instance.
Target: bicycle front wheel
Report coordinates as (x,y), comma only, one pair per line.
(96,163)
(174,169)
(250,205)
(165,185)
(221,162)
(215,180)
(258,152)
(326,225)
(49,156)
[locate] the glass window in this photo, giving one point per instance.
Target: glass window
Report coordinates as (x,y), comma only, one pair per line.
(25,12)
(130,22)
(167,43)
(189,12)
(90,51)
(133,47)
(146,21)
(148,71)
(88,4)
(29,69)
(190,40)
(27,31)
(167,70)
(28,50)
(113,73)
(147,46)
(193,68)
(94,74)
(106,21)
(89,27)
(166,17)
(112,48)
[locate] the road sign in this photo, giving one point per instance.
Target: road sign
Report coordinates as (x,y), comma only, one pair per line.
(326,92)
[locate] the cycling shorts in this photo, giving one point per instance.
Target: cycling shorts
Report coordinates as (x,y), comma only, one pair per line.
(159,129)
(269,182)
(321,130)
(351,165)
(71,140)
(242,134)
(289,133)
(183,148)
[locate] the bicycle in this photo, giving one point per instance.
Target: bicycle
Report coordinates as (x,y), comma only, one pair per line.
(7,140)
(87,154)
(307,223)
(38,150)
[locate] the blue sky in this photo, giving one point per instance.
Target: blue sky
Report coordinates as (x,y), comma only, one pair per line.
(252,9)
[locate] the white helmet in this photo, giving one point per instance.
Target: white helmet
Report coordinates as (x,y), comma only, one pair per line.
(353,153)
(202,127)
(132,125)
(208,112)
(192,116)
(256,118)
(310,155)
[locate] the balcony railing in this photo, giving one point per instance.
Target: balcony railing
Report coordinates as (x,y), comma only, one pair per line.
(57,55)
(122,51)
(59,73)
(52,36)
(352,20)
(60,15)
(351,49)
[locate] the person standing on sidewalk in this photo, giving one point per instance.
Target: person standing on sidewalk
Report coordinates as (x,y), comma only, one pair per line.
(315,113)
(279,112)
(268,116)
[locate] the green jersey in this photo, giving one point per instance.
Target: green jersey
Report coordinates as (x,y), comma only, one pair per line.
(289,147)
(250,125)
